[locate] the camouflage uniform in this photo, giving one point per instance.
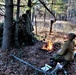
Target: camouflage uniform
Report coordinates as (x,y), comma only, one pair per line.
(27,29)
(66,53)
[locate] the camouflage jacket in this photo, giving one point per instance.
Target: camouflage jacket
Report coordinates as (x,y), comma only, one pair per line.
(67,50)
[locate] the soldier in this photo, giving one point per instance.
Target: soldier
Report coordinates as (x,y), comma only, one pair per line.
(66,54)
(67,51)
(27,29)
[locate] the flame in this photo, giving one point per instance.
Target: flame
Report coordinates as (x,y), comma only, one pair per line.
(48,46)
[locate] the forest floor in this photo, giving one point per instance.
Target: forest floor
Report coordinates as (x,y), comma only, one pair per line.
(34,55)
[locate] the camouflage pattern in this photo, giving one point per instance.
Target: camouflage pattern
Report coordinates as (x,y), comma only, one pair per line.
(67,51)
(27,28)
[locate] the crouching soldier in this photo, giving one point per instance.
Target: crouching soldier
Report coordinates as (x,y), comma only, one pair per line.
(66,54)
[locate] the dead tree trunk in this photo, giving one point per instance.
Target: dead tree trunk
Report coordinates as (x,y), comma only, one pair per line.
(7,29)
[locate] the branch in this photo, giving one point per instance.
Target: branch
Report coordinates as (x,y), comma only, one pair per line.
(47,9)
(30,65)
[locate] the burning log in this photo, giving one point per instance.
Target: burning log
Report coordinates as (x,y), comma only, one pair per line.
(48,46)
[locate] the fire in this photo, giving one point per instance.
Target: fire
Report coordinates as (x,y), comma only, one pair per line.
(48,46)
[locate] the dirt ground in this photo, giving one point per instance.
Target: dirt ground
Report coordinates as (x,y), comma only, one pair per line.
(34,55)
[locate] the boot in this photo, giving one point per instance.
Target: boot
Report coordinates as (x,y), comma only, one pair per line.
(58,67)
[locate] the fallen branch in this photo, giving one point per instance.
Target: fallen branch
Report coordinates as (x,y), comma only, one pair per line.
(32,66)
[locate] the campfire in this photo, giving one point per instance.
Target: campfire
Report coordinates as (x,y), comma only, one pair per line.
(48,46)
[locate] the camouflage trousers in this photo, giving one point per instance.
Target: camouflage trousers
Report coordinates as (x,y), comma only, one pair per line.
(59,58)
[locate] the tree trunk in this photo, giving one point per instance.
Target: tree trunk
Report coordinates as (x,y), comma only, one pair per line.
(44,16)
(51,21)
(7,30)
(29,11)
(50,11)
(33,15)
(36,24)
(17,24)
(51,24)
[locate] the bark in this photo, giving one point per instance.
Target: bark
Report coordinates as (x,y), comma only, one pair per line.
(7,29)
